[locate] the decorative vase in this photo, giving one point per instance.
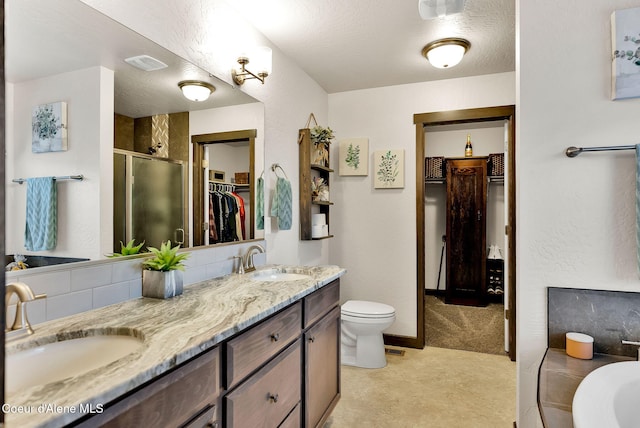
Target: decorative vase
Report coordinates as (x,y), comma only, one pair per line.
(320,155)
(161,284)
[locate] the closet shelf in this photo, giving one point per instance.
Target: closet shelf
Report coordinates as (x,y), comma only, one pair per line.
(490,179)
(321,203)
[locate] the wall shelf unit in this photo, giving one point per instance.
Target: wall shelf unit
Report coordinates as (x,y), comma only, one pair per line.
(308,170)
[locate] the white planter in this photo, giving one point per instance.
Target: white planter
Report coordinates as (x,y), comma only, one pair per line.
(161,285)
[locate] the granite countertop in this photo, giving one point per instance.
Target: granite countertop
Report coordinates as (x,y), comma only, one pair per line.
(558,380)
(173,331)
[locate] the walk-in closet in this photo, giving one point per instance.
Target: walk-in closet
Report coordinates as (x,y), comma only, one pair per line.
(465,212)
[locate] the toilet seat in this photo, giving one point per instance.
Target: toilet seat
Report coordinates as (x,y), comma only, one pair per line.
(365,309)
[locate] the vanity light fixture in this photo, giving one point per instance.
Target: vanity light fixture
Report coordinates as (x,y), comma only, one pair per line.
(446,53)
(260,62)
(196,90)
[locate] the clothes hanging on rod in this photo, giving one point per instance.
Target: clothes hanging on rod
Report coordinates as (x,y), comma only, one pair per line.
(226,214)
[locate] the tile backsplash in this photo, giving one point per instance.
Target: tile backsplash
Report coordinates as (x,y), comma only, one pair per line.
(608,316)
(83,286)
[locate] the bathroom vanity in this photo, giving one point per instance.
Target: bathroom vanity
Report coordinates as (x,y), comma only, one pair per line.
(233,351)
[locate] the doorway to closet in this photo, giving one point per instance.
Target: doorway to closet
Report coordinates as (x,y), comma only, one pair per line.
(442,135)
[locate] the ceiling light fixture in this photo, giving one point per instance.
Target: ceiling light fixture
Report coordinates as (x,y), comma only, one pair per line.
(260,62)
(446,53)
(196,90)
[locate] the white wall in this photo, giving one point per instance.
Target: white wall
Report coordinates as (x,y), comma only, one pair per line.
(576,217)
(89,97)
(199,30)
(376,229)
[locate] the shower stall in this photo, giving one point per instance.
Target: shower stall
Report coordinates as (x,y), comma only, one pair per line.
(148,204)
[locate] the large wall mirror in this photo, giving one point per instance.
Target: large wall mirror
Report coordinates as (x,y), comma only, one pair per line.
(124,125)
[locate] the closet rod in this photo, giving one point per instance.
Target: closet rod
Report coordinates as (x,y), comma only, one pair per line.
(573,151)
(58,178)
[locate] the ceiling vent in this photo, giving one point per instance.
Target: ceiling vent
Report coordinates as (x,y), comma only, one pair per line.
(431,9)
(146,63)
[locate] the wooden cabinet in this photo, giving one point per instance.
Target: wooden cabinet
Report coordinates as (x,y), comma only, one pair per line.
(466,231)
(188,396)
(322,354)
(308,170)
(281,372)
(248,351)
(322,368)
(268,396)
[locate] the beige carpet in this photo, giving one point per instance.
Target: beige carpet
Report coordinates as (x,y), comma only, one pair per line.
(431,388)
(468,328)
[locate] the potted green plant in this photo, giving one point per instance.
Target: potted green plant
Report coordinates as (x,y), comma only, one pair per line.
(162,274)
(321,139)
(129,249)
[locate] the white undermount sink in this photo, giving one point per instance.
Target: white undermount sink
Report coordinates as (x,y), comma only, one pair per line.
(59,360)
(609,397)
(273,275)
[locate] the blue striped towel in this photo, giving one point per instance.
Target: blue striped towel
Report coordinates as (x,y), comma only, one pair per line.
(260,204)
(281,204)
(41,228)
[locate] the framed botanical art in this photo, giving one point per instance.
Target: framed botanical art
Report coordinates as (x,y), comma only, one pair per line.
(353,156)
(389,169)
(625,61)
(49,128)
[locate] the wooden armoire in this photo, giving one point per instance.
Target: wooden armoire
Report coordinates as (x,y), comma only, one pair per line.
(466,231)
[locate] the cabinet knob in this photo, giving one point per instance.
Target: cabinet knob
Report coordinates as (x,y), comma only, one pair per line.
(273,398)
(275,337)
(312,339)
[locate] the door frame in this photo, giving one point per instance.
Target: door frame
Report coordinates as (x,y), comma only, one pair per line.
(485,114)
(199,142)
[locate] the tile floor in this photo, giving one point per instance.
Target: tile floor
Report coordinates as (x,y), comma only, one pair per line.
(431,388)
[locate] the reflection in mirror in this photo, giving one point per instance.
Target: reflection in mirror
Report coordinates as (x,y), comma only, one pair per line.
(76,55)
(226,210)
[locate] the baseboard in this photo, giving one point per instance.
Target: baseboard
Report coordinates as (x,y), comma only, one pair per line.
(432,292)
(403,341)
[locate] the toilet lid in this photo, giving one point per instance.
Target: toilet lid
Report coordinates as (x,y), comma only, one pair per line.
(364,309)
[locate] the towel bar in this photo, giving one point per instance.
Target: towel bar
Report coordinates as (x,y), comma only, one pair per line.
(58,178)
(573,151)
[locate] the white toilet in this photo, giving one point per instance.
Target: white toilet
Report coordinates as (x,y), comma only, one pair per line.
(362,326)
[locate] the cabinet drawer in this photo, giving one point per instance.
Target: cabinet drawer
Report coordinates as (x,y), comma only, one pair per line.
(267,397)
(170,401)
(253,348)
(320,302)
(293,420)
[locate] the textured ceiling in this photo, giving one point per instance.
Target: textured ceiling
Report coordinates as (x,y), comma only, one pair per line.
(356,44)
(48,37)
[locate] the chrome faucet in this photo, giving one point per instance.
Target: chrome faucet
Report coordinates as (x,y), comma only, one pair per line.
(628,342)
(248,257)
(25,294)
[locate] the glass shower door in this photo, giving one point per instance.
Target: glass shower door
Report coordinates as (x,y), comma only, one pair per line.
(157,202)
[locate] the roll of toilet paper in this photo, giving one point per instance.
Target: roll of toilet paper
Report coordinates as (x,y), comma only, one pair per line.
(317,231)
(318,219)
